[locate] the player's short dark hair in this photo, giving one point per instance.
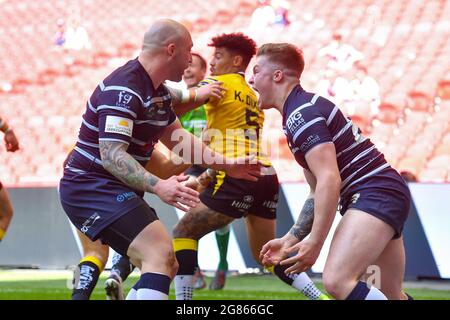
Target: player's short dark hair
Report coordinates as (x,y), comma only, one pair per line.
(237,43)
(203,63)
(285,54)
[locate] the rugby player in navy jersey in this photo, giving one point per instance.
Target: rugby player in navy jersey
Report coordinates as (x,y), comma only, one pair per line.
(95,254)
(104,176)
(340,165)
(6,210)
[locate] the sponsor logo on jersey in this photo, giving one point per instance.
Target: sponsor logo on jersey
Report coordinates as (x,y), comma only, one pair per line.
(241,205)
(312,139)
(249,198)
(270,204)
(124,99)
(126,196)
(295,122)
(119,125)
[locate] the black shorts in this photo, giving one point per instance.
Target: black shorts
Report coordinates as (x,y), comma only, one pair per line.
(237,198)
(384,196)
(119,234)
(195,171)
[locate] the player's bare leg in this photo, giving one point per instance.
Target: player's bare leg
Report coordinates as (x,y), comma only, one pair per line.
(196,223)
(359,240)
(259,232)
(152,252)
(391,264)
(6,211)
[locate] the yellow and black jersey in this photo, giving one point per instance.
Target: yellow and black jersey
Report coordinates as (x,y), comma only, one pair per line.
(235,122)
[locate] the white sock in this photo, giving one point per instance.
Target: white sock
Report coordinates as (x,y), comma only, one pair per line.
(183,287)
(150,294)
(303,283)
(132,294)
(223,230)
(375,294)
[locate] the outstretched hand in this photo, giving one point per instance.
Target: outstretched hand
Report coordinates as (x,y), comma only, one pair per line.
(173,192)
(11,142)
(306,255)
(213,90)
(273,252)
(246,168)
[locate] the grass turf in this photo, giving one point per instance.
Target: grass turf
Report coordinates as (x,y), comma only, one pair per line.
(38,285)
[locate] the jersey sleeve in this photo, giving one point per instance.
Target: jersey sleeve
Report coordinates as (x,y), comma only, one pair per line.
(307,133)
(172,116)
(207,80)
(117,111)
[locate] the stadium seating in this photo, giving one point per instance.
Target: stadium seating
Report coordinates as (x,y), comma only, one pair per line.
(406,45)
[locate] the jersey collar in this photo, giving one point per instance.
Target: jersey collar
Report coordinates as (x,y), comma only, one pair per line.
(297,90)
(145,75)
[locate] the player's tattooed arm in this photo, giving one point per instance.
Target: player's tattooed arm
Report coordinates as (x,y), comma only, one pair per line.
(305,220)
(124,167)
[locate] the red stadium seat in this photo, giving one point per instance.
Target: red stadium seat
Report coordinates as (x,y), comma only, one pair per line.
(411,164)
(419,101)
(440,162)
(388,113)
(406,51)
(433,175)
(443,90)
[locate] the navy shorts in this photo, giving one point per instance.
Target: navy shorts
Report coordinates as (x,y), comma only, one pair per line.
(385,196)
(237,198)
(94,200)
(119,234)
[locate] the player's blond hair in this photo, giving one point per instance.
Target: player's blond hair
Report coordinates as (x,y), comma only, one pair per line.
(284,54)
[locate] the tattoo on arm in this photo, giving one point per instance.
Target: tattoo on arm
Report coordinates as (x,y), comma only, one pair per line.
(305,220)
(125,168)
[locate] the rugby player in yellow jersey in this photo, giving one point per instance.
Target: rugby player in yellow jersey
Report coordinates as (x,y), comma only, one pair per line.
(234,127)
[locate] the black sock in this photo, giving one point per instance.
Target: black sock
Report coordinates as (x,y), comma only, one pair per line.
(85,278)
(187,260)
(279,272)
(409,297)
(122,267)
(186,254)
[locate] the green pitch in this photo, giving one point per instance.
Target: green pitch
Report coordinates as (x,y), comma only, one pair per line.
(53,285)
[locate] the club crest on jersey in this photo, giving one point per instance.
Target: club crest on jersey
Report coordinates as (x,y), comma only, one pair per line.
(155,108)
